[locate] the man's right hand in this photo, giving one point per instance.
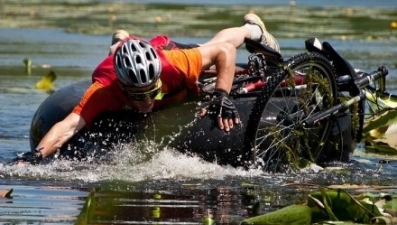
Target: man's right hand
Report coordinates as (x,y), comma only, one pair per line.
(222,108)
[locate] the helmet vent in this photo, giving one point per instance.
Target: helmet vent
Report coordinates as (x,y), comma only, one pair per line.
(143,76)
(153,53)
(124,49)
(133,47)
(132,75)
(151,71)
(127,62)
(138,59)
(118,61)
(148,56)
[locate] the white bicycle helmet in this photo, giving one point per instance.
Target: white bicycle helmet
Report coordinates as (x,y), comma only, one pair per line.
(137,63)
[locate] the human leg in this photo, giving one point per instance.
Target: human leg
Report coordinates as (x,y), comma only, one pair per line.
(253,28)
(234,36)
(118,36)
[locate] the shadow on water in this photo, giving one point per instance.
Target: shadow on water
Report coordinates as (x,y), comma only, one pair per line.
(180,203)
(163,186)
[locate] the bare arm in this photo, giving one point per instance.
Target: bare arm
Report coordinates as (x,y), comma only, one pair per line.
(60,133)
(223,56)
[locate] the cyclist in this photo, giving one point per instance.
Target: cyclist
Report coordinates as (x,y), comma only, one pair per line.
(137,75)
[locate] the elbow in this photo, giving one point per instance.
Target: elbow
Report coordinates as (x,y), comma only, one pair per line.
(226,57)
(227,50)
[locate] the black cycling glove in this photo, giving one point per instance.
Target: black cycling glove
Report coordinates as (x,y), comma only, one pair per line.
(220,105)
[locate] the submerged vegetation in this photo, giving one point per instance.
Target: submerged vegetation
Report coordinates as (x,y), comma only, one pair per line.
(284,21)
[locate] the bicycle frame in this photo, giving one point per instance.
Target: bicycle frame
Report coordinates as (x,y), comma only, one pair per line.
(265,65)
(360,82)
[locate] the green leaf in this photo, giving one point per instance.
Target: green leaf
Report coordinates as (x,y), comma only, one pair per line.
(337,223)
(377,146)
(341,206)
(385,119)
(290,215)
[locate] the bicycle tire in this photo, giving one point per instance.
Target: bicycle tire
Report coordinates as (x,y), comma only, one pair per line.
(278,115)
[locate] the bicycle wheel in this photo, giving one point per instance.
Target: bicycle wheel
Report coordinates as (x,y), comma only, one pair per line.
(275,137)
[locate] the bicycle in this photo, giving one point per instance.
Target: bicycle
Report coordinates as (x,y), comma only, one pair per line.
(299,100)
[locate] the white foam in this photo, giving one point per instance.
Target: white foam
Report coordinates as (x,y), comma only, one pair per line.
(133,162)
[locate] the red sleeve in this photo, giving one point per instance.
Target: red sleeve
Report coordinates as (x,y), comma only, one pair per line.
(96,100)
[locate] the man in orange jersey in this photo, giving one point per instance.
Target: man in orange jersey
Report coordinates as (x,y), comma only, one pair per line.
(138,74)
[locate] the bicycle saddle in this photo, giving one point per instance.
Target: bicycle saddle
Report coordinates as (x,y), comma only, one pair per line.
(257,47)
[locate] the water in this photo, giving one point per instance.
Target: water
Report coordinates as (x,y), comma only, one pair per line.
(127,187)
(59,190)
(315,3)
(43,203)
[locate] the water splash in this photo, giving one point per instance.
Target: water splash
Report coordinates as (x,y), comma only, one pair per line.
(147,160)
(133,162)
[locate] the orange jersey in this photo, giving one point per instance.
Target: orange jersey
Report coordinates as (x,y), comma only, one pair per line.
(105,94)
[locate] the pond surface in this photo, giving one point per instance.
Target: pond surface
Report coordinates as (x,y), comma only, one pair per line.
(169,188)
(338,3)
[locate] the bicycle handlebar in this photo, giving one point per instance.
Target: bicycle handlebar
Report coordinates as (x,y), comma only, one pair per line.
(371,78)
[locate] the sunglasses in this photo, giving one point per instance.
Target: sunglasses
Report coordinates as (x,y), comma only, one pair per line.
(142,96)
